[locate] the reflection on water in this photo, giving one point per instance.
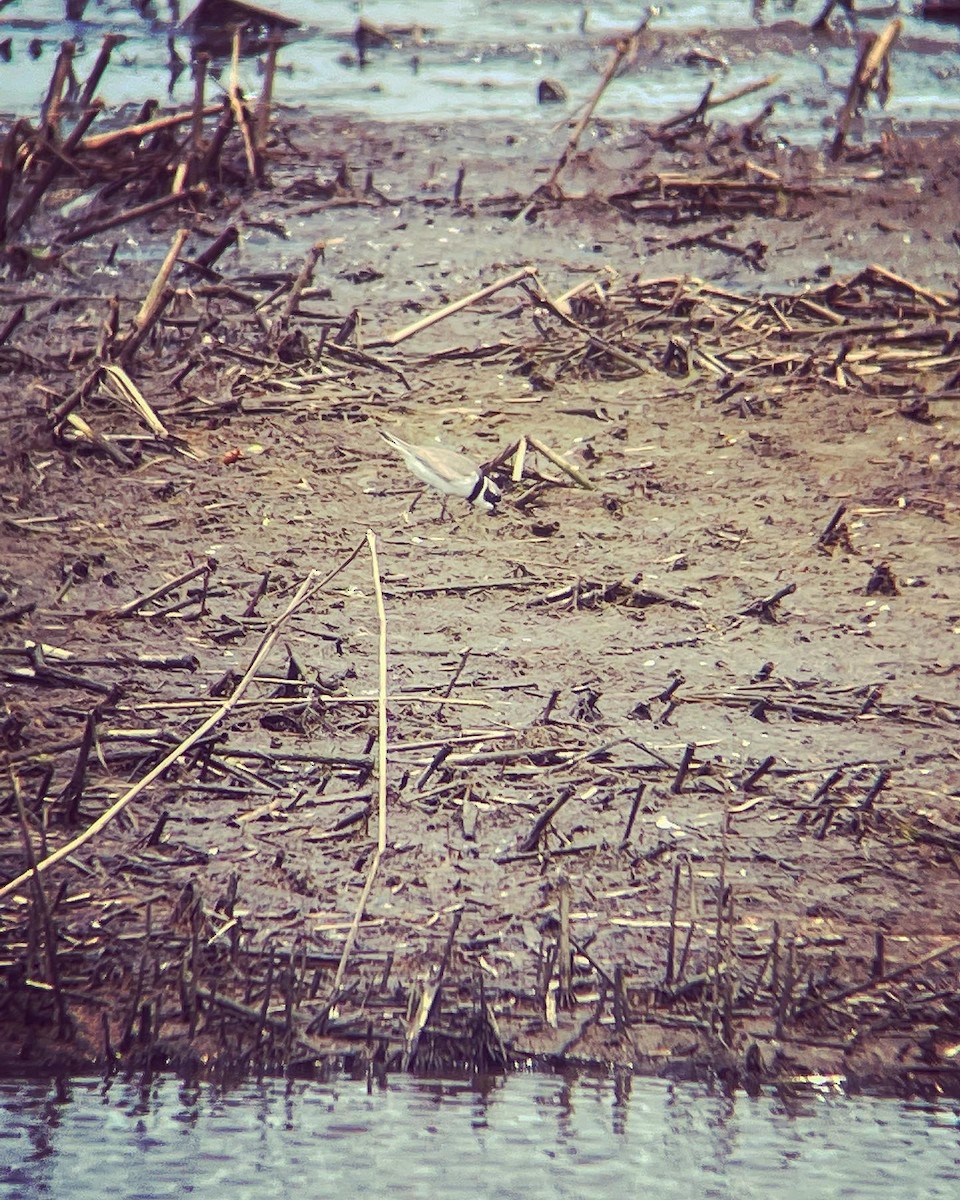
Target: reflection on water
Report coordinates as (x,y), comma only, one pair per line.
(486,59)
(529,1136)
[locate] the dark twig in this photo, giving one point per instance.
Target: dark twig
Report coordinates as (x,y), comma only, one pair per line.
(634,807)
(689,751)
(758,773)
(531,841)
(672,936)
(764,609)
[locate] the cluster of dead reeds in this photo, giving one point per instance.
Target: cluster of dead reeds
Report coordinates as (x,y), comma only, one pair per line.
(177,160)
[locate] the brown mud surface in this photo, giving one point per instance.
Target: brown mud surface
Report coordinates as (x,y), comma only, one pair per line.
(672,772)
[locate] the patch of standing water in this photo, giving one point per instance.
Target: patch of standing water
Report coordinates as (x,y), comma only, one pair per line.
(484,60)
(529,1136)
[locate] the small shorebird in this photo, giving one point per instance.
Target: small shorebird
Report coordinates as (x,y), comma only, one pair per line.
(451,473)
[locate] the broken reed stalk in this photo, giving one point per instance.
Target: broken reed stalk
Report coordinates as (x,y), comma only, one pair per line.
(306,591)
(875,53)
(626,48)
(132,606)
(72,794)
(688,752)
(381,696)
(53,168)
(49,931)
(451,684)
(15,319)
(564,953)
(634,808)
(155,301)
(303,279)
(199,92)
(211,160)
(936,298)
(127,391)
(188,169)
(868,985)
(261,117)
(50,109)
(668,974)
(456,305)
(381,770)
(727,98)
(758,772)
(519,459)
(559,461)
(204,261)
(721,944)
(100,440)
(79,232)
(560,310)
(428,997)
(17,134)
(240,113)
(621,1008)
(110,42)
(142,129)
(831,525)
(532,840)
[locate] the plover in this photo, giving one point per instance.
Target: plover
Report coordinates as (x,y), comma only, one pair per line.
(449,472)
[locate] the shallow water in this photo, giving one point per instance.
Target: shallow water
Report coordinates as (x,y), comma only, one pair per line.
(486,59)
(529,1136)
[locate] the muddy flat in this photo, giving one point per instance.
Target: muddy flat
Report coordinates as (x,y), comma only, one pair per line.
(670,772)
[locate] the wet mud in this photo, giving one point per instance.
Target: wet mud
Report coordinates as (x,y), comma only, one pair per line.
(670,775)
